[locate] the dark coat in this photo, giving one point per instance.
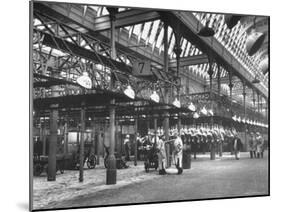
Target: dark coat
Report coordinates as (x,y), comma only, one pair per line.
(239,145)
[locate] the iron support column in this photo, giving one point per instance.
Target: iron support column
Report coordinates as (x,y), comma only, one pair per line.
(245,114)
(155,126)
(258,103)
(166,99)
(230,93)
(93,136)
(136,141)
(81,152)
(54,115)
(254,100)
(111,170)
(219,80)
(65,136)
(31,96)
(211,72)
(178,50)
(219,107)
(44,137)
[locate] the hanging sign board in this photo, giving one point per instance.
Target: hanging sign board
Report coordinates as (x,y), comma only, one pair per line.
(85,81)
(142,68)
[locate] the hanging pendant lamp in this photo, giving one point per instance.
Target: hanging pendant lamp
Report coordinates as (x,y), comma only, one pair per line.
(177,103)
(155,97)
(129,92)
(206,31)
(196,115)
(239,119)
(210,112)
(191,107)
(84,80)
(204,111)
(256,80)
(254,42)
(231,20)
(264,66)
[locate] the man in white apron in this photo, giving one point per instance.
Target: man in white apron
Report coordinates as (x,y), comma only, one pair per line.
(177,152)
(160,145)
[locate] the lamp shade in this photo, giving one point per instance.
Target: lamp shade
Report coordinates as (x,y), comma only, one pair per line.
(231,20)
(256,80)
(206,32)
(204,111)
(264,65)
(210,112)
(129,92)
(191,107)
(254,42)
(196,115)
(155,97)
(177,103)
(85,81)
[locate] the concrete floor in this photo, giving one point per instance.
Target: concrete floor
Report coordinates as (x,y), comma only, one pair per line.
(224,177)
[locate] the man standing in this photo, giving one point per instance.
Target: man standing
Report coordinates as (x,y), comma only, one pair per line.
(127,147)
(237,146)
(260,143)
(161,152)
(252,145)
(177,152)
(194,144)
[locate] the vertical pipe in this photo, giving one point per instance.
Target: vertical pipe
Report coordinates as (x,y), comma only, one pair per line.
(219,81)
(136,142)
(98,147)
(254,100)
(40,132)
(65,147)
(44,136)
(258,95)
(93,136)
(266,109)
(261,106)
(81,153)
(155,127)
(119,141)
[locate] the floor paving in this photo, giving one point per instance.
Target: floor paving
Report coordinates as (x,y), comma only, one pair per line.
(223,177)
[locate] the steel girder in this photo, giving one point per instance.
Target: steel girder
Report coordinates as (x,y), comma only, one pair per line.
(188,28)
(125,18)
(74,17)
(189,61)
